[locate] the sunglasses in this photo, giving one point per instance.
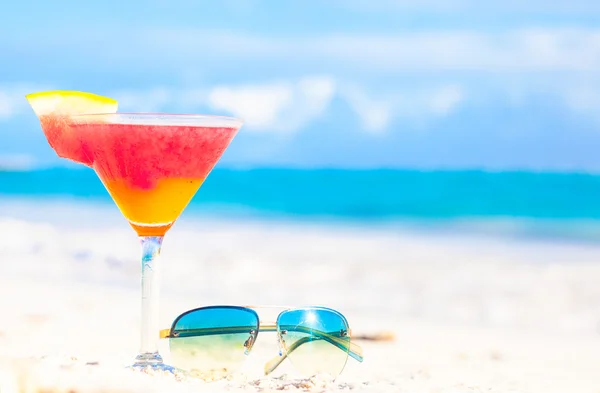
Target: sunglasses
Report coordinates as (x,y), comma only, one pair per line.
(212,342)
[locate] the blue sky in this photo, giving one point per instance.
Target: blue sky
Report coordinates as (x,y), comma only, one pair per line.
(503,84)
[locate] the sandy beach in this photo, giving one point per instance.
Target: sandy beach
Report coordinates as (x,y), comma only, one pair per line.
(470,313)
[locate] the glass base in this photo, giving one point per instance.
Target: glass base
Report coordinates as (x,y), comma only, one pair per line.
(152,363)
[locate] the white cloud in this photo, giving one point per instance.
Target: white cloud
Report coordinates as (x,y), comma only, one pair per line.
(583,100)
(526,50)
(376,114)
(13,101)
(446,99)
(275,106)
(521,50)
(440,50)
(285,106)
(17,162)
(259,106)
(7,107)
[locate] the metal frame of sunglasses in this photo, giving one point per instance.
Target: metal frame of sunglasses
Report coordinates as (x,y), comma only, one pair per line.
(302,332)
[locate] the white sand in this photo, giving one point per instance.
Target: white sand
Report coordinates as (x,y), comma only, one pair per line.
(470,314)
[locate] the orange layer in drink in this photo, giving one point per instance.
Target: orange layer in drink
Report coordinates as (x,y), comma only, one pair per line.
(151,212)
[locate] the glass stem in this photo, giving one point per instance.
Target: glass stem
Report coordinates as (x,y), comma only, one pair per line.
(150,301)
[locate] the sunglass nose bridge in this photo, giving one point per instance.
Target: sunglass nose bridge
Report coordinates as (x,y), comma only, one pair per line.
(249,341)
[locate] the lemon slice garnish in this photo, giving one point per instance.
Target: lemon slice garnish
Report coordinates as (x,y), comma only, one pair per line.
(67,102)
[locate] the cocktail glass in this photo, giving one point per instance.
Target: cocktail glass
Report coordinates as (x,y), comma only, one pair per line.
(152,165)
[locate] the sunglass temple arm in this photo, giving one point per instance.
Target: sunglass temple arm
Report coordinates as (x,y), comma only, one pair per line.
(354,350)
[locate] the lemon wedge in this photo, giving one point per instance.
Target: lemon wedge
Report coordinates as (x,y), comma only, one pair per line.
(65,102)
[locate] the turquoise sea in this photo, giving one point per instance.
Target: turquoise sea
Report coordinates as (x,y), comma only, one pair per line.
(559,205)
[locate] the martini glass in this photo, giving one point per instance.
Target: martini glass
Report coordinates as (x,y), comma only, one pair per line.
(152,165)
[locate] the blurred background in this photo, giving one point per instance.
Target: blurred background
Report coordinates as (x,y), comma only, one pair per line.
(442,153)
(418,110)
(436,84)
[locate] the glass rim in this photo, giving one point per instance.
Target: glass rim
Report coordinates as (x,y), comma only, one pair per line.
(160,118)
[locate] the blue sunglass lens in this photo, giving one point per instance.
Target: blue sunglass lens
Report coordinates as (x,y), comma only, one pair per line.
(212,342)
(316,340)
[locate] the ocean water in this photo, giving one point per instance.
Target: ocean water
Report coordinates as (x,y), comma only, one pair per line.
(533,204)
(409,244)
